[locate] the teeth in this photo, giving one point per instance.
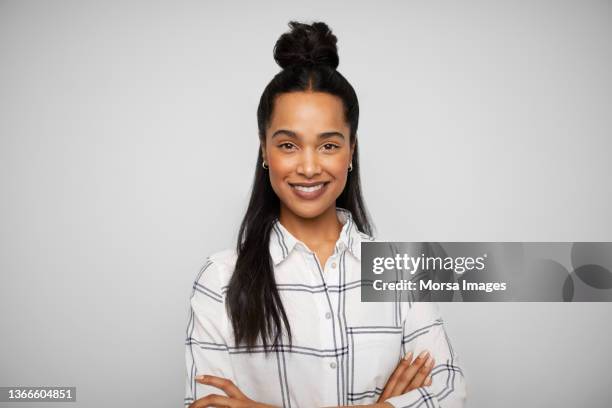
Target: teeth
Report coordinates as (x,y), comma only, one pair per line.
(308,189)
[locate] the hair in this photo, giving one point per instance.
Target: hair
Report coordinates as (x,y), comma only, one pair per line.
(308,57)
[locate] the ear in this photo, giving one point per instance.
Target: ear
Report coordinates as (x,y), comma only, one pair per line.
(263,151)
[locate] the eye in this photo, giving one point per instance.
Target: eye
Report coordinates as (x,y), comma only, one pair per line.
(330,146)
(286,146)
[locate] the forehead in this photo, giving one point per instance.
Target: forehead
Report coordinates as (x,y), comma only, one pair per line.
(308,112)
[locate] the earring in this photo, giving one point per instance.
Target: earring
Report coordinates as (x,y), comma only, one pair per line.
(263,164)
(351,167)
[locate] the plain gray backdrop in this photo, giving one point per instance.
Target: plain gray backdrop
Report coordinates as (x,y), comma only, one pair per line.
(128,143)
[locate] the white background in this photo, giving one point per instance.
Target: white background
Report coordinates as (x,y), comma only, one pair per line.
(128,143)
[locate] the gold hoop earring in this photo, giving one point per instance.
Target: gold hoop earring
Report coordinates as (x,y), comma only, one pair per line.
(263,164)
(351,167)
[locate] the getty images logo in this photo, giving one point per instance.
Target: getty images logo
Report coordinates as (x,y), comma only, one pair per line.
(412,264)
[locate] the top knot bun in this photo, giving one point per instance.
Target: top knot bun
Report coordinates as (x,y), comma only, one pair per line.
(307,45)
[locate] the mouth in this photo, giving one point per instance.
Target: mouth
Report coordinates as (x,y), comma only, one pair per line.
(309,191)
(308,187)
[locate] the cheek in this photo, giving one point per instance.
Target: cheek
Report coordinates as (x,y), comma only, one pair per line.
(277,182)
(279,171)
(282,164)
(338,168)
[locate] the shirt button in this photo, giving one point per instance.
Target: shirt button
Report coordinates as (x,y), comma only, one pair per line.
(328,315)
(333,265)
(332,365)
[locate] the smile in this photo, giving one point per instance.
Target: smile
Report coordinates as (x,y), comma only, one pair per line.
(309,189)
(309,192)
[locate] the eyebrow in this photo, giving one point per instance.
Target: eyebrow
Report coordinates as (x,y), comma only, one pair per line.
(323,135)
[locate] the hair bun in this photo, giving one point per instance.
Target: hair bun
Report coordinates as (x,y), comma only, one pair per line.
(308,45)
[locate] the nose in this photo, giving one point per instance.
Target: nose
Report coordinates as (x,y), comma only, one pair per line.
(308,165)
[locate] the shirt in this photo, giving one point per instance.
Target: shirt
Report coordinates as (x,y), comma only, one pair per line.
(344,350)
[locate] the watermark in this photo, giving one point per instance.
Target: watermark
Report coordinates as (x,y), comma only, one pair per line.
(37,394)
(486,271)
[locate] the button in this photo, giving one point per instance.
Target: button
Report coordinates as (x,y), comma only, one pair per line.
(328,315)
(332,365)
(333,265)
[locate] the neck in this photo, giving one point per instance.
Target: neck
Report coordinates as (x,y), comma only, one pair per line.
(312,231)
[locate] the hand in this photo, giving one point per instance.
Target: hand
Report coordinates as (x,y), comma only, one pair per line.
(407,376)
(235,398)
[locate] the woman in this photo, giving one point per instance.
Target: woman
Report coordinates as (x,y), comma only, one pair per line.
(279,321)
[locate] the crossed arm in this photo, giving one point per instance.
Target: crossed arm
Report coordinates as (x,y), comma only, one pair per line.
(408,375)
(413,383)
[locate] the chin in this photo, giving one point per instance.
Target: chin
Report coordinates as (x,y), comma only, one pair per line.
(308,210)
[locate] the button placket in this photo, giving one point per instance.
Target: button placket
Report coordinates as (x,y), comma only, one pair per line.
(328,323)
(330,278)
(331,263)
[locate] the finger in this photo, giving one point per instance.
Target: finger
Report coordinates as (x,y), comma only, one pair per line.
(399,369)
(217,401)
(222,383)
(428,381)
(409,373)
(421,375)
(419,378)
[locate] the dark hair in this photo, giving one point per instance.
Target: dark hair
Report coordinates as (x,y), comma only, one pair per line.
(308,57)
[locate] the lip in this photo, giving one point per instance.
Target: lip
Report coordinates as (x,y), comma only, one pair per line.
(315,183)
(309,195)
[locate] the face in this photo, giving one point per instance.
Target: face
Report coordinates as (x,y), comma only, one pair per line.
(308,151)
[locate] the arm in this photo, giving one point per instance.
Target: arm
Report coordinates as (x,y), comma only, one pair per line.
(377,405)
(206,350)
(424,330)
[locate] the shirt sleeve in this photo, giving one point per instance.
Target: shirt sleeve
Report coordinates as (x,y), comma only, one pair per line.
(424,330)
(206,346)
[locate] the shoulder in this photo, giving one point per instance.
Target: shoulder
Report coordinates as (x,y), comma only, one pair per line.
(225,260)
(214,275)
(366,237)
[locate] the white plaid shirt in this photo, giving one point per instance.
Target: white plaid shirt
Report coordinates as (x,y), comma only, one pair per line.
(343,350)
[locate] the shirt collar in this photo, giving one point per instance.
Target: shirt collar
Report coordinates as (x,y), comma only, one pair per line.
(282,241)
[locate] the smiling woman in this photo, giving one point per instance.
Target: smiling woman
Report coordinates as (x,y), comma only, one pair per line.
(308,154)
(278,321)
